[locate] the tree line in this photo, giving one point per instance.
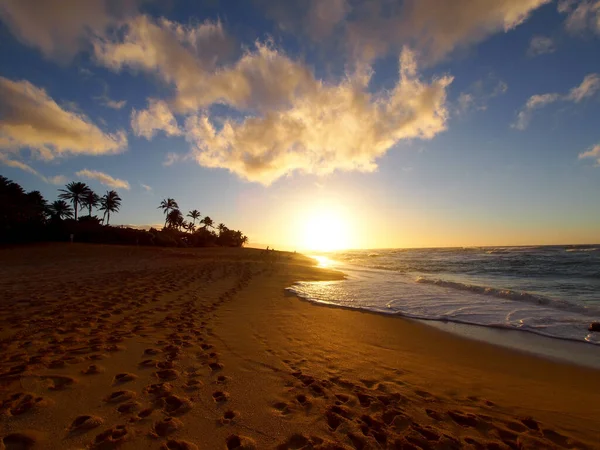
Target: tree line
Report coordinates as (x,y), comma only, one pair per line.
(27,216)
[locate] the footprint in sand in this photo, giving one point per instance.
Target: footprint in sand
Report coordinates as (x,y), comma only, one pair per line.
(222,379)
(84,423)
(166,426)
(192,385)
(220,396)
(173,444)
(228,417)
(111,438)
(22,402)
(158,390)
(92,369)
(167,374)
(58,382)
(120,396)
(124,377)
(235,442)
(129,407)
(19,441)
(175,405)
(215,366)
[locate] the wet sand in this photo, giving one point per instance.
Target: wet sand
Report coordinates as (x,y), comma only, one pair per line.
(119,347)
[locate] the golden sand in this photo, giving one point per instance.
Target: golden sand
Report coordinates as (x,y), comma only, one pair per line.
(118,347)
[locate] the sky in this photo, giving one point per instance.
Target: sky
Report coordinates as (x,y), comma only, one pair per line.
(317,123)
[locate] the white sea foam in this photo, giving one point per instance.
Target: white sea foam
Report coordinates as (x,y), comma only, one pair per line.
(392,292)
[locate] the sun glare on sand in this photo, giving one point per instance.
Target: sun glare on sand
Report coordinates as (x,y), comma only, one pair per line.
(326,231)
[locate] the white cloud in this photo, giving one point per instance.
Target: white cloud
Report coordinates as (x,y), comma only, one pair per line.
(592,152)
(146,187)
(534,102)
(180,56)
(436,28)
(588,87)
(103,178)
(60,28)
(324,127)
(114,104)
(30,118)
(541,45)
(288,119)
(157,117)
(582,15)
(171,158)
(58,179)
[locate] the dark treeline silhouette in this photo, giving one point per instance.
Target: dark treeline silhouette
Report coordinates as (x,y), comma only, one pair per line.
(28,217)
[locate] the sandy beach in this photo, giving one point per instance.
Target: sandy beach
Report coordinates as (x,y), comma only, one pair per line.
(108,347)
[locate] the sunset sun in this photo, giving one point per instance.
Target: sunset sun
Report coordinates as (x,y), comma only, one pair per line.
(326,231)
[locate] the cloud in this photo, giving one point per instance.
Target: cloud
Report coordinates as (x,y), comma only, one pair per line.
(146,187)
(114,104)
(157,117)
(478,95)
(540,45)
(582,15)
(588,87)
(103,178)
(60,28)
(285,119)
(58,179)
(324,16)
(592,152)
(435,28)
(315,19)
(324,127)
(30,118)
(171,158)
(181,56)
(534,102)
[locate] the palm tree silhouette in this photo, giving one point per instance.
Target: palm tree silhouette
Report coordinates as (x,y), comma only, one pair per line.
(168,205)
(222,228)
(59,209)
(195,214)
(75,192)
(110,202)
(174,219)
(208,222)
(91,200)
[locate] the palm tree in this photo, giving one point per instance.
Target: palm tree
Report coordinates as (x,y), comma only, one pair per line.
(174,218)
(91,200)
(110,202)
(168,205)
(222,228)
(75,192)
(195,214)
(60,210)
(207,221)
(191,227)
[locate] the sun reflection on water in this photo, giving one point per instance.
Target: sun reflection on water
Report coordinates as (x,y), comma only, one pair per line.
(322,261)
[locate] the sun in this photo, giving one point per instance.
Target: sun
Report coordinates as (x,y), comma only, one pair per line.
(326,231)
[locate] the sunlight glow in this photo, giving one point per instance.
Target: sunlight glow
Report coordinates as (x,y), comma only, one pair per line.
(326,231)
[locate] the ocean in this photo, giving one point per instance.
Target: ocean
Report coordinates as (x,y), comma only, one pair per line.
(552,291)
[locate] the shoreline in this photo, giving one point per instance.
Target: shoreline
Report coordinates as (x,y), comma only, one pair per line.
(565,351)
(209,343)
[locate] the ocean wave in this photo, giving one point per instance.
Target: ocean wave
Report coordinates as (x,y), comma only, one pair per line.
(509,295)
(588,249)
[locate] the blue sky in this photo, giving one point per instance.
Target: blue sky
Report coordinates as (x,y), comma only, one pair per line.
(265,115)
